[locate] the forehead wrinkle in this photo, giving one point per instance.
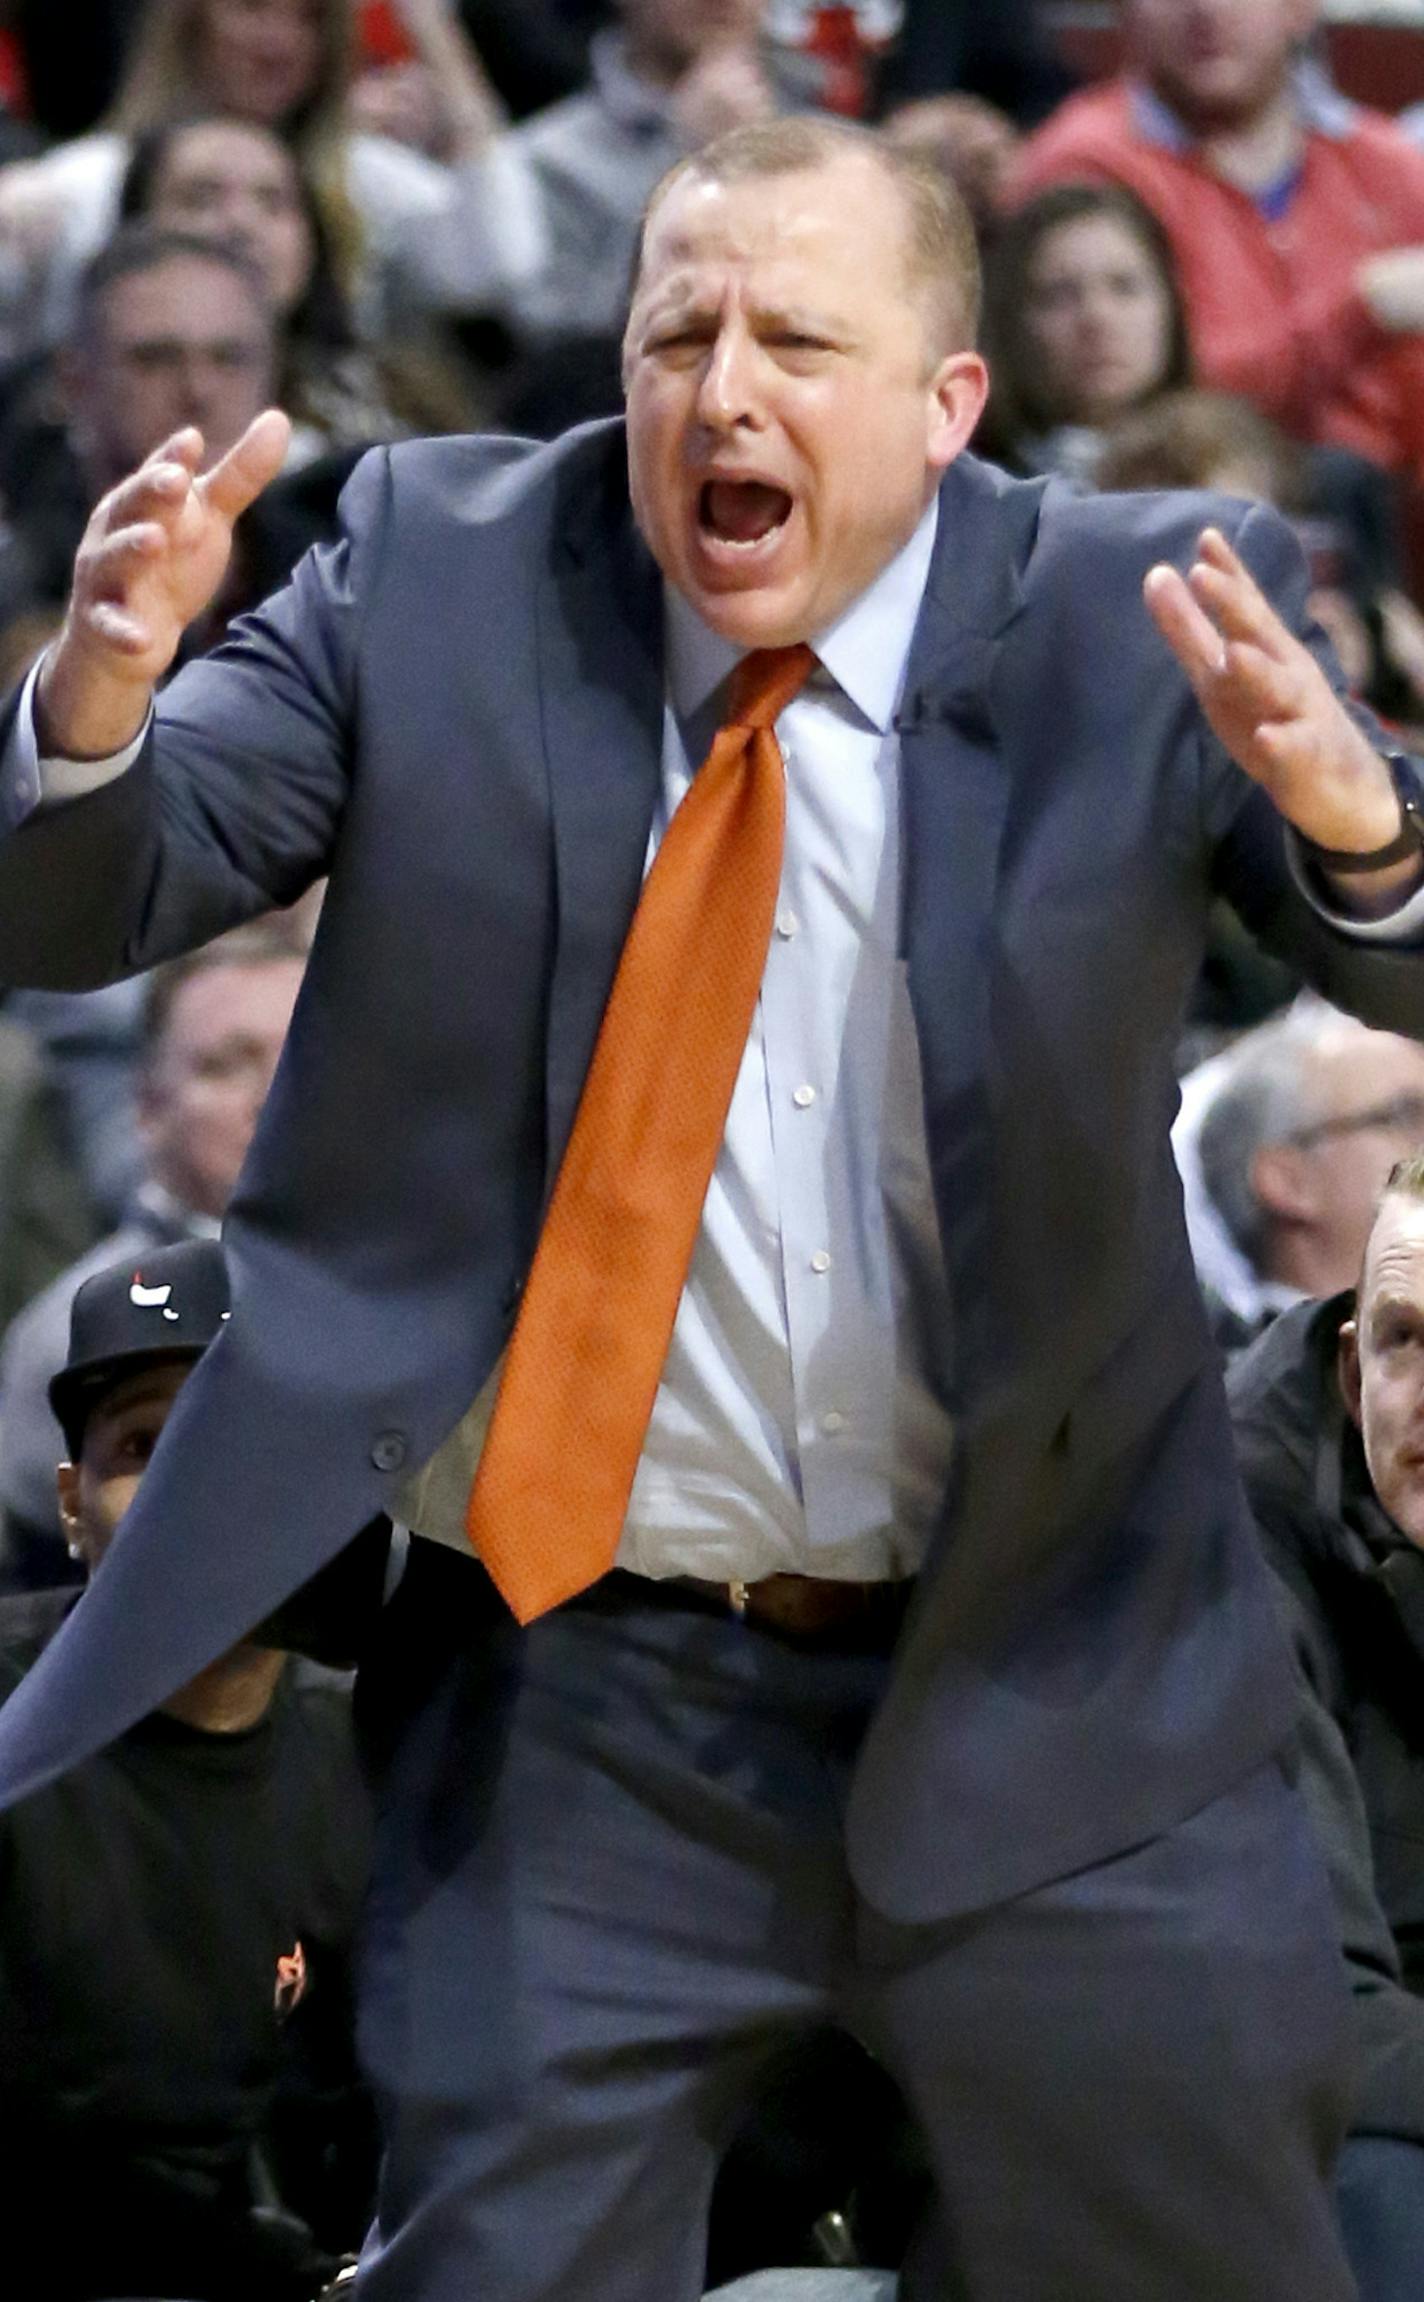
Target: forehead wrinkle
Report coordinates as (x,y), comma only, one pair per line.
(1398,1261)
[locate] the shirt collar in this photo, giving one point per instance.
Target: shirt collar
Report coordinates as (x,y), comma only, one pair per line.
(1319,102)
(865,650)
(635,103)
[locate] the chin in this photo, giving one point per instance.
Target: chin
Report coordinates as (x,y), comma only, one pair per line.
(755,617)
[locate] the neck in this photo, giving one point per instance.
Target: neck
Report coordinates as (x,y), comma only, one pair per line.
(1255,152)
(231,1694)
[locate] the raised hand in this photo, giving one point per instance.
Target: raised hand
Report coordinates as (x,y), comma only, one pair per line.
(1269,702)
(153,556)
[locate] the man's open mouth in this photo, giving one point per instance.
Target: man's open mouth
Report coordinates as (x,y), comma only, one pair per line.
(742,512)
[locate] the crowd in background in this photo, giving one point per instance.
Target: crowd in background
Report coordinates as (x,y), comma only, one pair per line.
(395,217)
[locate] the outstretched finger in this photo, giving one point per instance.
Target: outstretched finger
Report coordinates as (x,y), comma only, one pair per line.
(1184,624)
(124,549)
(117,627)
(1232,598)
(184,446)
(156,491)
(1254,685)
(250,465)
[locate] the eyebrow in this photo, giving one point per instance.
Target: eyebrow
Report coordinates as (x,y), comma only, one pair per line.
(1393,1305)
(691,309)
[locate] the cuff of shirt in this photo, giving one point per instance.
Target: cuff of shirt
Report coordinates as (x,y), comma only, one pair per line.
(1403,925)
(30,780)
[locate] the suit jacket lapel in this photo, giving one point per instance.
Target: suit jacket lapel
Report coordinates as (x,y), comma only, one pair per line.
(601,677)
(955,783)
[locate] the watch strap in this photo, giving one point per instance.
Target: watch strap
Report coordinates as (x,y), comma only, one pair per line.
(1407,841)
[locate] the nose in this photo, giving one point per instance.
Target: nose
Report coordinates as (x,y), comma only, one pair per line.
(727,396)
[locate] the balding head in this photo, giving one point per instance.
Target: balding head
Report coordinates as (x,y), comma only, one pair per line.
(939,251)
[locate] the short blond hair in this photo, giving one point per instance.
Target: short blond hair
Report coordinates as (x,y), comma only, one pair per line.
(1406,1178)
(941,252)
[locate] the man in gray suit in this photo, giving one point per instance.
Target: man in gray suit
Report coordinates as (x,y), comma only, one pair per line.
(935,1682)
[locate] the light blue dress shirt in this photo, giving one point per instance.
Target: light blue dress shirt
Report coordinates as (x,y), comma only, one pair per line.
(797,1426)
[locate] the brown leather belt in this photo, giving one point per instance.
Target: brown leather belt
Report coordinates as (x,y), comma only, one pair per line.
(805,1606)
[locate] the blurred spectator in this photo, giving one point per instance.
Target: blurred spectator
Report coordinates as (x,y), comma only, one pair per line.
(1296,217)
(399,237)
(1190,439)
(215,1024)
(45,1215)
(1001,53)
(1329,1409)
(971,142)
(1284,1142)
(1209,440)
(168,330)
(177,1913)
(1082,321)
(438,99)
(239,184)
(671,75)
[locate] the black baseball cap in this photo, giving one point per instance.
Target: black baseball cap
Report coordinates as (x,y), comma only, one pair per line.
(165,1305)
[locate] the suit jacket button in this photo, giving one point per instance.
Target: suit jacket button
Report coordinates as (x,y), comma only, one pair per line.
(388,1450)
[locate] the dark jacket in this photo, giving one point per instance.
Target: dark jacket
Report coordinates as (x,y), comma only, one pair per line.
(1352,1587)
(1093,1652)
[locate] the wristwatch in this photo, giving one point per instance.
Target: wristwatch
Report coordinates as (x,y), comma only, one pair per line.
(1408,840)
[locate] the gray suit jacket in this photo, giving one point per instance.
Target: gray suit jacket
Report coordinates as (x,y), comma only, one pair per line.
(457,714)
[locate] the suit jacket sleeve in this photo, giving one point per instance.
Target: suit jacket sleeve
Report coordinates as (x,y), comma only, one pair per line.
(234,803)
(1378,982)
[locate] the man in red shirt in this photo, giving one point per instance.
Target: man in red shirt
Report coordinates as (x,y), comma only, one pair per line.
(1296,217)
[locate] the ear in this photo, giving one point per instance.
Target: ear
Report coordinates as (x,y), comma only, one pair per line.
(1347,1371)
(66,1480)
(958,389)
(1281,1182)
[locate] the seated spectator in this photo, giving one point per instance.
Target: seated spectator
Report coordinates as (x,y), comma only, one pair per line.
(971,142)
(214,1028)
(1082,321)
(671,75)
(45,1215)
(1191,439)
(1329,1410)
(238,183)
(1194,439)
(1285,1145)
(402,240)
(177,1914)
(169,330)
(1296,217)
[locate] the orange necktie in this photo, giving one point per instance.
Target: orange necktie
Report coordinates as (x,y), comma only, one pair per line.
(551,1490)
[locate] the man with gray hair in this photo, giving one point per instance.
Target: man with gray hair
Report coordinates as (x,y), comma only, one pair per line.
(1329,1411)
(1284,1143)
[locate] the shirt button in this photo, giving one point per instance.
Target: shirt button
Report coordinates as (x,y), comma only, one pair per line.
(820,1261)
(832,1422)
(388,1450)
(786,924)
(803,1097)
